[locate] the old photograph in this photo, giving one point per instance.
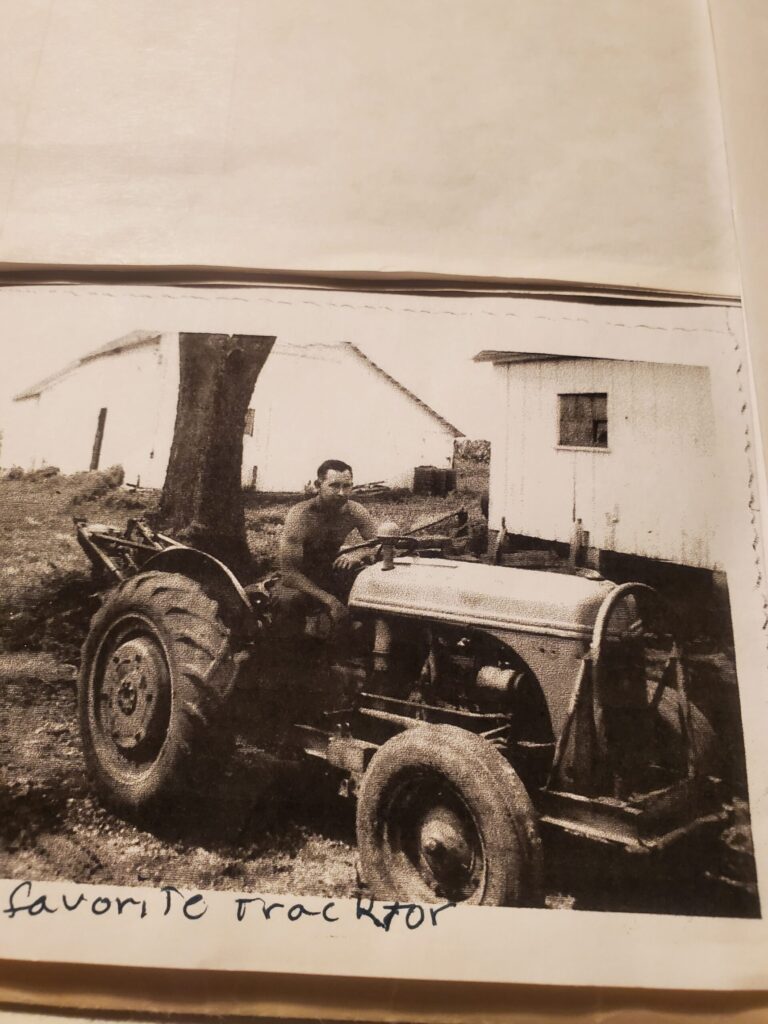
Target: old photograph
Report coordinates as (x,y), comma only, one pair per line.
(341,601)
(383,595)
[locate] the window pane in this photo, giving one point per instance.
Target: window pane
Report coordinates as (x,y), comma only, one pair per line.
(583,420)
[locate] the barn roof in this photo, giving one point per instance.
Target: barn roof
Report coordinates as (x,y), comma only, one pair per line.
(502,356)
(138,338)
(127,341)
(401,387)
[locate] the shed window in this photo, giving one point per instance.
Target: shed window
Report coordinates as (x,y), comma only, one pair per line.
(583,420)
(248,428)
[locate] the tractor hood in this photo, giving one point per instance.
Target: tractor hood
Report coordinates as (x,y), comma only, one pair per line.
(486,596)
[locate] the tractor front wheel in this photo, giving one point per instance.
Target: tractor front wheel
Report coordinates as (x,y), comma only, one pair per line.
(443,816)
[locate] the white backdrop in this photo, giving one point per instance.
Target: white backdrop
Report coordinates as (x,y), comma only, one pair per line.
(555,140)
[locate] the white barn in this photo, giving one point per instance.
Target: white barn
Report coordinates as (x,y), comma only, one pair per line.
(117,405)
(314,402)
(626,447)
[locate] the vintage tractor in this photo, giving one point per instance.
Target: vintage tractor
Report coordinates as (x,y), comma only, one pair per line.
(472,709)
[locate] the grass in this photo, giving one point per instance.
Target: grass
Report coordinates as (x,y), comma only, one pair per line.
(44,579)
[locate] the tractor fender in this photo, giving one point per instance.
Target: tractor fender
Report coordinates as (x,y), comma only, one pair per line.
(206,570)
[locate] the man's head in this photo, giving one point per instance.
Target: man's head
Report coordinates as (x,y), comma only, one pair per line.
(334,483)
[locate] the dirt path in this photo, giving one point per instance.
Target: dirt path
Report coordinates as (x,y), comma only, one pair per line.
(256,834)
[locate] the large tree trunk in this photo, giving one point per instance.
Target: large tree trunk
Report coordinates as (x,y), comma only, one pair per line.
(202,499)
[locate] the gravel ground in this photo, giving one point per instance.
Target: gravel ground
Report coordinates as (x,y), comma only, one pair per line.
(271,826)
(253,833)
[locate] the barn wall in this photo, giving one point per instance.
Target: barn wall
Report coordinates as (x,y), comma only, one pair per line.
(651,493)
(20,437)
(58,427)
(320,402)
(310,403)
(163,408)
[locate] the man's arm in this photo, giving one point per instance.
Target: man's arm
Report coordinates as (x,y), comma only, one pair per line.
(364,521)
(291,560)
(366,526)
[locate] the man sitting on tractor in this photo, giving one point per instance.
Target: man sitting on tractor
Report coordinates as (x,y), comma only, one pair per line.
(314,575)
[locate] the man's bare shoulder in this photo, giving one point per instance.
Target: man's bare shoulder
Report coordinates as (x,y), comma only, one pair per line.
(359,514)
(299,515)
(353,507)
(356,510)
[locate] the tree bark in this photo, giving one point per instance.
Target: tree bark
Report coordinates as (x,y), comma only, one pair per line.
(202,499)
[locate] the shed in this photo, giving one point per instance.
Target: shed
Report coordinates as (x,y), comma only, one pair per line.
(625,447)
(311,402)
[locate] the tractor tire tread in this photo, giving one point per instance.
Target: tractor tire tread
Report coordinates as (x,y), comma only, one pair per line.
(203,671)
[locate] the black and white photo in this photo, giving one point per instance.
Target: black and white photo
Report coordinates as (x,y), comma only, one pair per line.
(363,605)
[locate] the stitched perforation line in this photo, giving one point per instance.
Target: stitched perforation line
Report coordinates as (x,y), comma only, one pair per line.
(330,304)
(752,503)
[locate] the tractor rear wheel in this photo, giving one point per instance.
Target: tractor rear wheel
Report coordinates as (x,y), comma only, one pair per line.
(443,816)
(156,669)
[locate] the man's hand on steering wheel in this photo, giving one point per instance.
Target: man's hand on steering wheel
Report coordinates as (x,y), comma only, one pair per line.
(338,612)
(347,560)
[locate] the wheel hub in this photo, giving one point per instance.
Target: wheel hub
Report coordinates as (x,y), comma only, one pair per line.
(134,679)
(446,848)
(126,697)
